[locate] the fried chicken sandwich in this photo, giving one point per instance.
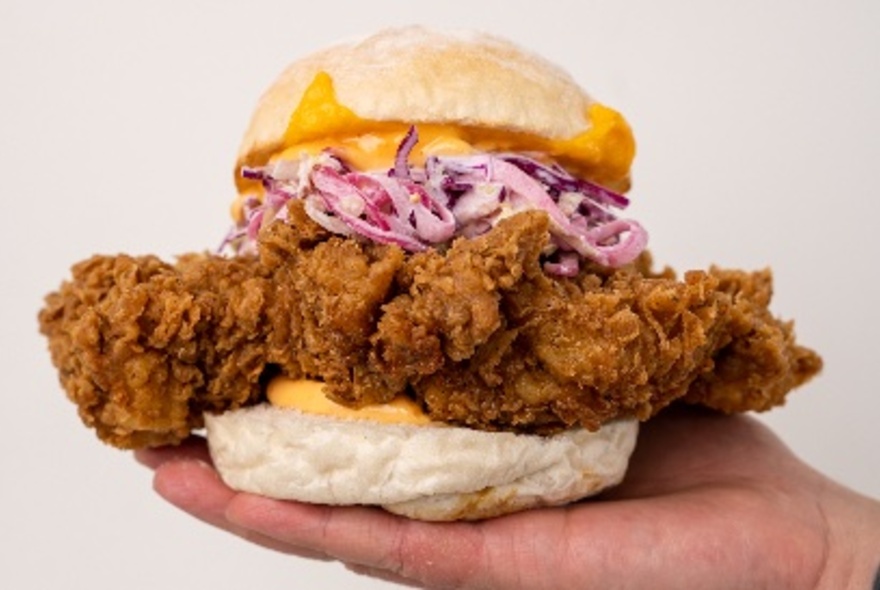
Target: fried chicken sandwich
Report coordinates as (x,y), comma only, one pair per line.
(430,299)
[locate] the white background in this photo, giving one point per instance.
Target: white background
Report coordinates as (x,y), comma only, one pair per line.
(759,138)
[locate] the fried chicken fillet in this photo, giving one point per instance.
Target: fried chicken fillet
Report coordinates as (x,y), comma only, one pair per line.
(479,335)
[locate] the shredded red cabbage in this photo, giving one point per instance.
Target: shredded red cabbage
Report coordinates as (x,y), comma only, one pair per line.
(419,208)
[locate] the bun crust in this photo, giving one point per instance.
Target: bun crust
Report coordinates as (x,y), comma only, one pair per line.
(417,75)
(423,472)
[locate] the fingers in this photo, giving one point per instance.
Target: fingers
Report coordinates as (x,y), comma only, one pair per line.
(371,541)
(185,478)
(512,552)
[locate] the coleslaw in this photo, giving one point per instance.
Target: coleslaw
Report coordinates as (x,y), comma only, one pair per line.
(417,208)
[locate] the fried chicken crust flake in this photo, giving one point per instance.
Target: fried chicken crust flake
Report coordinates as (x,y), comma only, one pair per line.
(478,334)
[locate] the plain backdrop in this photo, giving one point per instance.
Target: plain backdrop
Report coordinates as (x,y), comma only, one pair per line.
(759,142)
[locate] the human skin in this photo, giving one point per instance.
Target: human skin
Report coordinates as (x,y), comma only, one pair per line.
(709,502)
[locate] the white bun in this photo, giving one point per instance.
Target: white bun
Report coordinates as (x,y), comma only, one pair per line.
(417,75)
(423,472)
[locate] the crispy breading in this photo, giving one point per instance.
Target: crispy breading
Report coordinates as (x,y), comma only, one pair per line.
(478,334)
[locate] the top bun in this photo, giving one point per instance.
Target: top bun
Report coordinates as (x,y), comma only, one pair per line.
(416,75)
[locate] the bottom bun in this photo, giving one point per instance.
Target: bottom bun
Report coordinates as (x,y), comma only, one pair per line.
(423,472)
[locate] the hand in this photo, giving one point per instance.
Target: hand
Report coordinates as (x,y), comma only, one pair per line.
(709,502)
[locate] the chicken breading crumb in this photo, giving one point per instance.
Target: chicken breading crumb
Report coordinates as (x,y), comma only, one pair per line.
(479,335)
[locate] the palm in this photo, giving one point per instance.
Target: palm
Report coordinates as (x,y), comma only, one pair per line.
(708,502)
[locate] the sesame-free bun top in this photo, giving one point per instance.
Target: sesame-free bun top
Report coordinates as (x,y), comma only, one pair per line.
(414,75)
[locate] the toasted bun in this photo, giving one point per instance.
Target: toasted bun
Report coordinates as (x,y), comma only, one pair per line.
(423,472)
(417,75)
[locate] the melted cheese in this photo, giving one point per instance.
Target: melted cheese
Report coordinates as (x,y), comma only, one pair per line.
(308,396)
(603,153)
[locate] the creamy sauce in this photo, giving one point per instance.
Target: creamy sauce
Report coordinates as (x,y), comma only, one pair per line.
(308,396)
